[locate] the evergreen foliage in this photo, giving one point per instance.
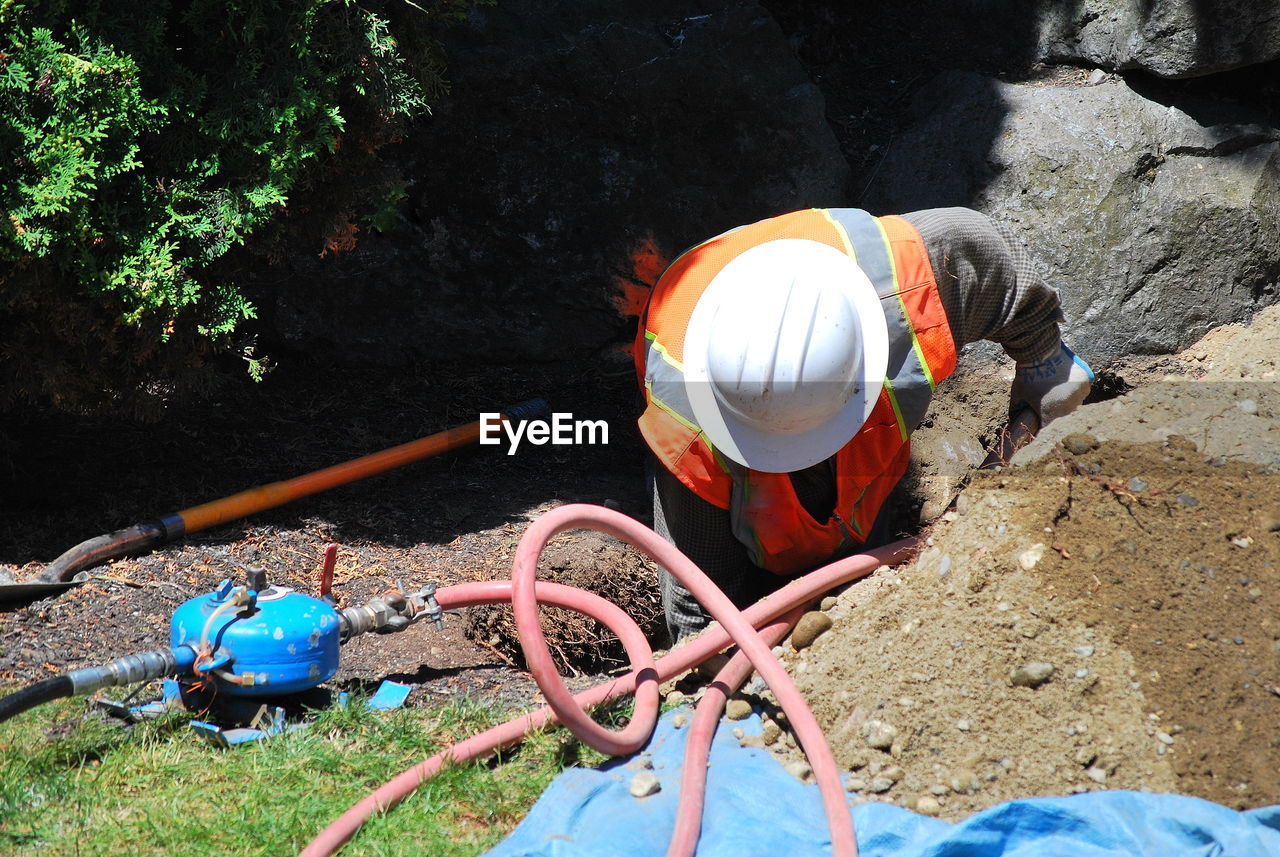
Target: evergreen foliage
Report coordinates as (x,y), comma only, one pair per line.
(141,140)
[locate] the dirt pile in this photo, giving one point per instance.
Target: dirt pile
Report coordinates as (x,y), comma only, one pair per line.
(1103,614)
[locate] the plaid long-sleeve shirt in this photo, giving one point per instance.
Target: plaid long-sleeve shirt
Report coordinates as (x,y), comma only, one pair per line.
(989,289)
(988,284)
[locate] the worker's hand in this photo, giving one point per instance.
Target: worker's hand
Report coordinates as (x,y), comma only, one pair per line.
(1050,387)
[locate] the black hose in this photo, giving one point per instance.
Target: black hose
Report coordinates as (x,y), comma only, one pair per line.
(36,694)
(130,669)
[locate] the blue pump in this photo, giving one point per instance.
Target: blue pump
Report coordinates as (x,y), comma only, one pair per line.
(259,643)
(243,643)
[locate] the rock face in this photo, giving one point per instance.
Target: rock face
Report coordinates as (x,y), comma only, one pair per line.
(1169,38)
(1224,409)
(1155,218)
(584,145)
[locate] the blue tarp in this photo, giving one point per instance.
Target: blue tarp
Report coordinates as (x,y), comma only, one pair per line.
(754,807)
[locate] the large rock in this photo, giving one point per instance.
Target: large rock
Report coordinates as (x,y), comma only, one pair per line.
(1170,38)
(1155,221)
(583,145)
(1222,399)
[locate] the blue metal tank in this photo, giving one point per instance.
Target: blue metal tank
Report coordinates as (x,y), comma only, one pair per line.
(282,642)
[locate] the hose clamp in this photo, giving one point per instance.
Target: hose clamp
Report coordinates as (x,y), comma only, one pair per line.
(433,609)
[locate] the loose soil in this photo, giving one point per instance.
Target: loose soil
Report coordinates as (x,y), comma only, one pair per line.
(1142,565)
(1145,576)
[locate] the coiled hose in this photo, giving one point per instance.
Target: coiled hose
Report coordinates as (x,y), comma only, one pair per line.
(525,594)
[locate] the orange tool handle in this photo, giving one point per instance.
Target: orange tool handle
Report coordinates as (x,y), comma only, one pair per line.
(142,537)
(278,493)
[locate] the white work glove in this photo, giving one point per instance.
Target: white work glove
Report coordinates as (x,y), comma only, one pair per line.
(1050,387)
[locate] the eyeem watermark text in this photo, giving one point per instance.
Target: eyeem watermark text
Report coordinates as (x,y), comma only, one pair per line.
(561,430)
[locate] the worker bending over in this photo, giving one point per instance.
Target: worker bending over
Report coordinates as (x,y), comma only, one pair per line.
(786,363)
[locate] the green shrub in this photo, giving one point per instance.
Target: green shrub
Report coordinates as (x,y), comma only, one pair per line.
(142,140)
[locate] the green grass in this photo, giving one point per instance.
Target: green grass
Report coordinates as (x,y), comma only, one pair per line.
(100,789)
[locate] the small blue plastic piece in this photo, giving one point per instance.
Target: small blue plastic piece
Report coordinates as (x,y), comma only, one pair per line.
(227,738)
(389,695)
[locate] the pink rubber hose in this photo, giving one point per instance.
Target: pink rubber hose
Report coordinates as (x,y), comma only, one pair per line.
(697,747)
(757,651)
(735,626)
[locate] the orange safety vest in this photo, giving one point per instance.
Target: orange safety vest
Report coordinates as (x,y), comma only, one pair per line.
(766,515)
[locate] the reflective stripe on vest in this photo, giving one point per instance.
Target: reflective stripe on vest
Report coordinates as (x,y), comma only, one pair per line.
(908,379)
(765,513)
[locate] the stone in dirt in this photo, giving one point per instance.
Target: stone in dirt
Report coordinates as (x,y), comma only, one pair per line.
(879,735)
(964,781)
(811,626)
(928,805)
(879,785)
(1079,443)
(1031,674)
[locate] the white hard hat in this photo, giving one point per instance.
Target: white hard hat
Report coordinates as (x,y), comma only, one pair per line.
(785,355)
